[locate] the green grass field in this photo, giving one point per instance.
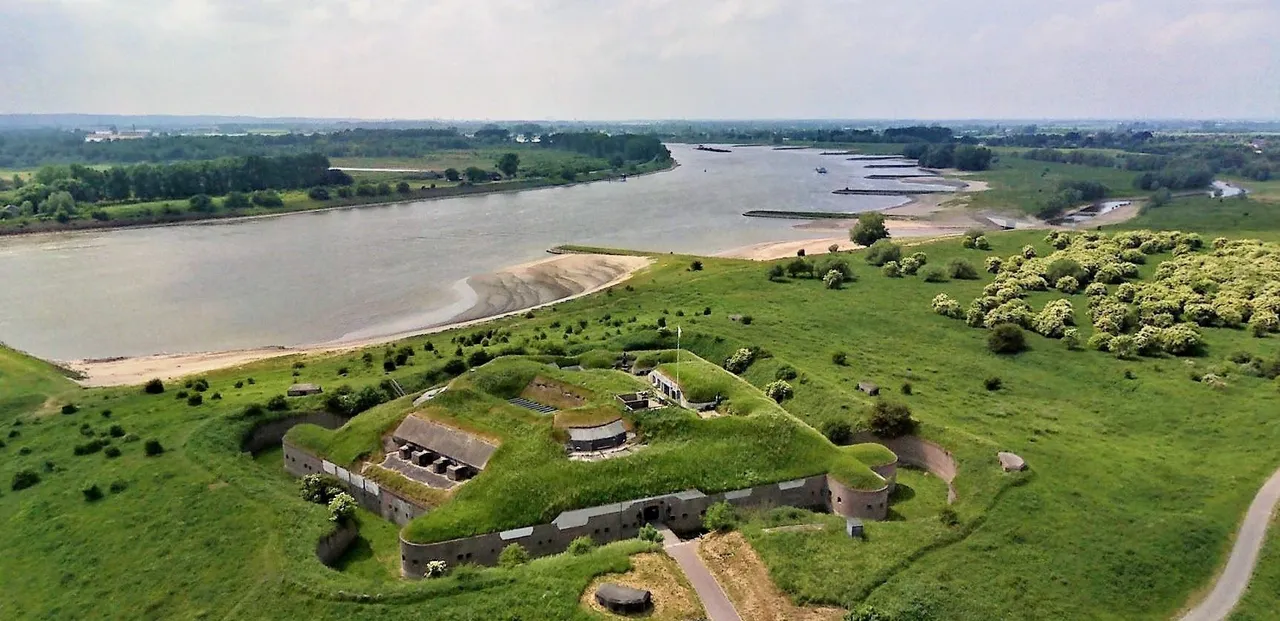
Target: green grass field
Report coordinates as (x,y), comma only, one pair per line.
(1138,476)
(1020,185)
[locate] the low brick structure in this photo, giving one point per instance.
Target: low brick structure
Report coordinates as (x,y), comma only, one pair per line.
(302,390)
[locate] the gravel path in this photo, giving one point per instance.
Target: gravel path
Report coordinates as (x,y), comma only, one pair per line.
(1231,585)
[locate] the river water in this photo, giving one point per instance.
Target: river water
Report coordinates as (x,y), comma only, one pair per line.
(321,276)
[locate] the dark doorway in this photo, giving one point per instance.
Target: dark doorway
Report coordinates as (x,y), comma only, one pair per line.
(651,514)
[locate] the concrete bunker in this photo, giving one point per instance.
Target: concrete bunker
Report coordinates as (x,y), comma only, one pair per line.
(456,455)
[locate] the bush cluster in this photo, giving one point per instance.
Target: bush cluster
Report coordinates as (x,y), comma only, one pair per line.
(890,420)
(739,361)
(779,390)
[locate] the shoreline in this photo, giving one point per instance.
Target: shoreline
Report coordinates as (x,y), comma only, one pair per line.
(108,225)
(511,291)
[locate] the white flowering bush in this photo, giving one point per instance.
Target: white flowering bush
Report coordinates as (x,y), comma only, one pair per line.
(779,390)
(1067,284)
(909,266)
(946,306)
(1052,321)
(1029,251)
(892,269)
(435,569)
(342,508)
(993,264)
(739,361)
(1095,290)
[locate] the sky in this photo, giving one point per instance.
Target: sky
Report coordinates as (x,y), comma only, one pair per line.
(644,59)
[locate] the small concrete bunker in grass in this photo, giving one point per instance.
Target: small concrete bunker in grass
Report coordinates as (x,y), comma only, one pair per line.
(623,600)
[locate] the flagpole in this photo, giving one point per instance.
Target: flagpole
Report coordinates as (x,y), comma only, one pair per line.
(679,331)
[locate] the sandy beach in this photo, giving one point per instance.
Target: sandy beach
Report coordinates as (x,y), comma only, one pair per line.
(510,291)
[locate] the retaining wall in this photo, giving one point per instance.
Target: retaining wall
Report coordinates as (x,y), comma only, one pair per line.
(682,511)
(270,434)
(331,547)
(888,472)
(385,502)
(921,453)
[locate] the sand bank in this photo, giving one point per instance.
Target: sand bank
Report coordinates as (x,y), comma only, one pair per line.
(510,291)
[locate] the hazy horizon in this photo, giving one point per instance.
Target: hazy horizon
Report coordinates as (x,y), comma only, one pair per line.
(644,60)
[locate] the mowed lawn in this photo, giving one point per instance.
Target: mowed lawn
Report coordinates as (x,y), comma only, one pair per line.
(1139,474)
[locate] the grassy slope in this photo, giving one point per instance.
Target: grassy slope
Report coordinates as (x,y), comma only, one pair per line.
(1262,600)
(1137,482)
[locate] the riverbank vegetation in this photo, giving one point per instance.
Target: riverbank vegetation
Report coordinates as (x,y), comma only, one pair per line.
(1127,511)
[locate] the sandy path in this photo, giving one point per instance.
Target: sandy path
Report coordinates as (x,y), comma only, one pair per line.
(743,575)
(508,292)
(898,229)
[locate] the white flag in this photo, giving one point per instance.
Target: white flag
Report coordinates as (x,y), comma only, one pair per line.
(678,332)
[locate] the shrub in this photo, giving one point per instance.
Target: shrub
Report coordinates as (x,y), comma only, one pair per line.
(318,193)
(833,279)
(89,448)
(389,364)
(70,408)
(839,358)
(581,545)
(696,266)
(649,533)
(235,200)
(319,488)
(779,390)
(152,448)
(746,320)
(195,399)
(266,198)
(1067,285)
(883,251)
(948,517)
(833,248)
(966,242)
(909,266)
(982,243)
(1096,290)
(944,305)
(775,271)
(1006,338)
(478,358)
(111,452)
(739,361)
(1123,346)
(118,486)
(455,367)
(838,431)
(891,269)
(934,273)
(1028,251)
(435,569)
(890,420)
(1061,268)
(906,388)
(153,387)
(961,270)
(721,517)
(278,403)
(993,383)
(1100,341)
(786,372)
(91,492)
(342,508)
(23,479)
(1071,338)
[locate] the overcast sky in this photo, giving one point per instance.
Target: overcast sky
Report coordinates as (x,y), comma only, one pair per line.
(644,59)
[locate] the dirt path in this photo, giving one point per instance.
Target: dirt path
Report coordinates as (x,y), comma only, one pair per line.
(1234,579)
(714,599)
(739,569)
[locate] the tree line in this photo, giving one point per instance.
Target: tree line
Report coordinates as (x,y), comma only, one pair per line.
(182,180)
(949,155)
(617,148)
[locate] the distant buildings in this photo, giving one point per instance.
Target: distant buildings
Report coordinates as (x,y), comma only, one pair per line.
(109,135)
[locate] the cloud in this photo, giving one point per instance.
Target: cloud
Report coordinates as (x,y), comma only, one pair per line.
(643,58)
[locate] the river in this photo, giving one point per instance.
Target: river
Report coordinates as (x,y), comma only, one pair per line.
(321,276)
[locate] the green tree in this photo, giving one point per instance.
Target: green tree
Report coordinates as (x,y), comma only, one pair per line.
(891,420)
(720,516)
(59,202)
(508,164)
(235,200)
(403,187)
(475,174)
(452,174)
(869,229)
